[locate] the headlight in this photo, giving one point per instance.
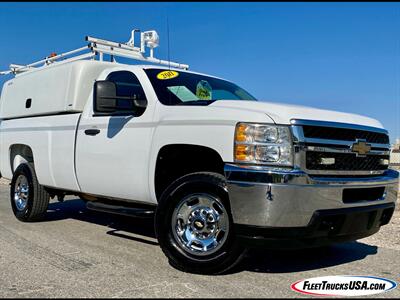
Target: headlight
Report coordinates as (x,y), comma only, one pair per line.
(263,144)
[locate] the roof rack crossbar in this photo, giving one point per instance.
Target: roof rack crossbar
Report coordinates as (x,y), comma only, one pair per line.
(100,46)
(16,69)
(110,50)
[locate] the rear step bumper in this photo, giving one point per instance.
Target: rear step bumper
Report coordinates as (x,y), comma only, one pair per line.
(120,210)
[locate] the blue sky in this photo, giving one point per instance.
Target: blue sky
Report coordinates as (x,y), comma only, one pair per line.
(340,56)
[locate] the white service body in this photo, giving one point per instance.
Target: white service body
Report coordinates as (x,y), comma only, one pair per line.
(55,89)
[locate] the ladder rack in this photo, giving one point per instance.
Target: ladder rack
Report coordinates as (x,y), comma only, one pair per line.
(97,48)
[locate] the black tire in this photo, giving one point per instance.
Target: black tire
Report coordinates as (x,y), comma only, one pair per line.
(226,257)
(37,200)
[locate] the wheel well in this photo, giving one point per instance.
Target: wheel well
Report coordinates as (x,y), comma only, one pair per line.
(19,154)
(174,161)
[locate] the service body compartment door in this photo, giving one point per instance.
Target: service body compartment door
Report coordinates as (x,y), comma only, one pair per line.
(112,151)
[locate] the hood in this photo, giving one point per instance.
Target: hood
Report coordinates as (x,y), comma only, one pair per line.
(282,113)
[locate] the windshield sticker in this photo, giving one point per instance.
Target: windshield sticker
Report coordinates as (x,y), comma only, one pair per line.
(183,93)
(204,90)
(167,75)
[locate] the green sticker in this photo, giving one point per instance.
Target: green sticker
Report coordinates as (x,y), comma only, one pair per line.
(204,90)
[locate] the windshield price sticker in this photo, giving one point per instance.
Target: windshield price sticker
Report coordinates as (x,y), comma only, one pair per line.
(167,75)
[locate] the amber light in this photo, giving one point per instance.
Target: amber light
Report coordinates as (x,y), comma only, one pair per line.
(242,152)
(241,133)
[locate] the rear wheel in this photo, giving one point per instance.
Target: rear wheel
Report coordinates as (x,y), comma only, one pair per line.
(194,225)
(29,199)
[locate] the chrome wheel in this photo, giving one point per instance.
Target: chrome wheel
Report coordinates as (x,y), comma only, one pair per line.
(21,192)
(200,224)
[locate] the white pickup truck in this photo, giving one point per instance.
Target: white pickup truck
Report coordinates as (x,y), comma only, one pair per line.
(217,169)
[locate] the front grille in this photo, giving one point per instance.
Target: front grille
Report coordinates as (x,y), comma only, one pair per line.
(340,149)
(344,134)
(345,162)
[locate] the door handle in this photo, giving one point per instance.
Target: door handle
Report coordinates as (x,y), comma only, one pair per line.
(92,131)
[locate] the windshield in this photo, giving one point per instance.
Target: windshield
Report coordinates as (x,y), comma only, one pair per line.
(183,88)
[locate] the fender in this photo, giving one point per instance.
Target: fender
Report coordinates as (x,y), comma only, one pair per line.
(206,126)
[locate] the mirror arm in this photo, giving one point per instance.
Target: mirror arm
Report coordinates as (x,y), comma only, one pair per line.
(141,103)
(119,108)
(122,98)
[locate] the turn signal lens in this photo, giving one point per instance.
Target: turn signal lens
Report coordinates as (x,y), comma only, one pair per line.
(241,133)
(243,153)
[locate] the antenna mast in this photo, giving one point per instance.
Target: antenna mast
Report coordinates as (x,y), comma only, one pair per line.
(168,54)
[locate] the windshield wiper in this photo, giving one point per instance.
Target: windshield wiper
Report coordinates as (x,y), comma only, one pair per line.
(197,102)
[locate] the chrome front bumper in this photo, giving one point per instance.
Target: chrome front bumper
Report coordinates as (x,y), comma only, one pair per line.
(273,197)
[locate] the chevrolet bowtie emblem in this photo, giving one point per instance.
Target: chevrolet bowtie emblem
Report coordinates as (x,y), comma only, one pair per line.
(361,147)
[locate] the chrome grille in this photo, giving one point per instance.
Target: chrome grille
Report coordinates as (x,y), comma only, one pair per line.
(344,134)
(325,148)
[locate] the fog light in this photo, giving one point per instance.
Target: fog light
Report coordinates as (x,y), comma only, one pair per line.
(327,161)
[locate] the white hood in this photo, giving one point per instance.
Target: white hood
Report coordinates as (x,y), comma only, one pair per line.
(282,113)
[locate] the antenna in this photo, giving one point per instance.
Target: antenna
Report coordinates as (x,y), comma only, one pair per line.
(169,64)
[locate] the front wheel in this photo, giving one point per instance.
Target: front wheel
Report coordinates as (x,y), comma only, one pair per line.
(194,225)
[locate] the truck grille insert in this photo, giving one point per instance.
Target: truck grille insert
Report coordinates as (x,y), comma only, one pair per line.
(344,134)
(345,162)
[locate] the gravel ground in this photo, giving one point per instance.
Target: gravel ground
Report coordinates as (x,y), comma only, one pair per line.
(389,235)
(75,253)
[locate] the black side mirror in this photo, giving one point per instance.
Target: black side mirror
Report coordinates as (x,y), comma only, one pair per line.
(105,100)
(105,96)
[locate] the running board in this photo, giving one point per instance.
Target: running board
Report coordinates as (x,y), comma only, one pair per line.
(120,210)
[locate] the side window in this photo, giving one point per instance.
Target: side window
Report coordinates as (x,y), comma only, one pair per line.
(127,86)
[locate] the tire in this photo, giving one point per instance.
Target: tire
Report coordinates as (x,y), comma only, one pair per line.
(35,199)
(196,189)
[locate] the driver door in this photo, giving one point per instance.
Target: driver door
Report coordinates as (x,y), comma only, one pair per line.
(112,149)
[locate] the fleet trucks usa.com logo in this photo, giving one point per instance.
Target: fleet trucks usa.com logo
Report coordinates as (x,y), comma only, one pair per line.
(346,285)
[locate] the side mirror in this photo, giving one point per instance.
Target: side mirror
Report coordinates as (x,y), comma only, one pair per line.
(105,99)
(105,96)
